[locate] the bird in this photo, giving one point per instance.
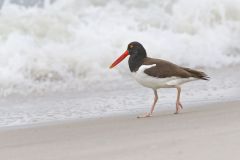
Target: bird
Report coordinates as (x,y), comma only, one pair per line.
(157,73)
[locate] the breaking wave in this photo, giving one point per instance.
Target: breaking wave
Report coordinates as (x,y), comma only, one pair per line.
(57,45)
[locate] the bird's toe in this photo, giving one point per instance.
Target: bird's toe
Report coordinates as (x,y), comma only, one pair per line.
(145,115)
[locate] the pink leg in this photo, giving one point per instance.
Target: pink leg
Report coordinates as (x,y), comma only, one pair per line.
(153,106)
(178,103)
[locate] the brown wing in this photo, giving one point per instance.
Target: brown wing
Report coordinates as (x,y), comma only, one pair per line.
(165,69)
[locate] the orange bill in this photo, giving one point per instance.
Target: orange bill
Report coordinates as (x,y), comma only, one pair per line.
(124,55)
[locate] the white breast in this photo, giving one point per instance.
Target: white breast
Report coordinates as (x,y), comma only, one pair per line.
(154,82)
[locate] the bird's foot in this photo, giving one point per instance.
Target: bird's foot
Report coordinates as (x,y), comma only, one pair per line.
(145,115)
(178,107)
(176,112)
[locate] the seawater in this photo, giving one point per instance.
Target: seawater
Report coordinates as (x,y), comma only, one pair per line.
(57,45)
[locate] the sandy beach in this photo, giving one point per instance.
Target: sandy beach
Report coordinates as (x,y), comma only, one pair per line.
(209,132)
(60,101)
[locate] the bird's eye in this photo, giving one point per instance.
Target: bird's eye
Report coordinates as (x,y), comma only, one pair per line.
(131,46)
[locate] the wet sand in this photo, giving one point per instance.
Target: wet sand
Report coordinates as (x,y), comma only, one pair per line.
(210,132)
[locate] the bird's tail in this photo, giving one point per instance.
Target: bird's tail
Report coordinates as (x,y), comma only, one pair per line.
(197,74)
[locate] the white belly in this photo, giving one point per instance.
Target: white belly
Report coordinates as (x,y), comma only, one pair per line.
(154,82)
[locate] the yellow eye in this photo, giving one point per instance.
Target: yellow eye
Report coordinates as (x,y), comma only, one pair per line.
(131,46)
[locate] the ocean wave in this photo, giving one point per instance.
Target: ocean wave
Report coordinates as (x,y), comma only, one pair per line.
(69,44)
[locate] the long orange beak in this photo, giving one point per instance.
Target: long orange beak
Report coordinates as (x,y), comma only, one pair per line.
(124,55)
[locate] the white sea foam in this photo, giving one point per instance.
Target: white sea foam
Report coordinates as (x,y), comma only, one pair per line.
(68,44)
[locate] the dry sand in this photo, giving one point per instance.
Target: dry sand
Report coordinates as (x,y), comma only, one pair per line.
(210,132)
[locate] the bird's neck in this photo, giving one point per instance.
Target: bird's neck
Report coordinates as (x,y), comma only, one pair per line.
(135,62)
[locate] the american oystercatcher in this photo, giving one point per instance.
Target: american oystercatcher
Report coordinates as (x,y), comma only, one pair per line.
(157,73)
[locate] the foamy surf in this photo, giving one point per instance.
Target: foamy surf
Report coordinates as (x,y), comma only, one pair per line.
(68,44)
(61,51)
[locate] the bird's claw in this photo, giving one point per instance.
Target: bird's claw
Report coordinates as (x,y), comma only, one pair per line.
(176,112)
(178,107)
(145,115)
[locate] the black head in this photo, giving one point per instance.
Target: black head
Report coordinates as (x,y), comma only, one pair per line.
(137,54)
(136,49)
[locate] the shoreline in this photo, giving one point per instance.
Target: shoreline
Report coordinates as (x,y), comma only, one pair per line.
(204,132)
(102,100)
(114,115)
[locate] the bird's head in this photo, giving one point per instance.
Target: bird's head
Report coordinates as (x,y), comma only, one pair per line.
(134,49)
